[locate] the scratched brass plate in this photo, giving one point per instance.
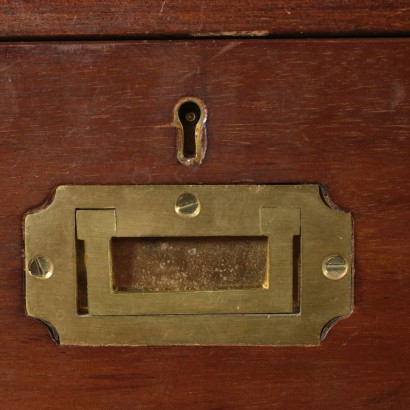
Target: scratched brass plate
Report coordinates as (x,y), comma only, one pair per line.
(126,265)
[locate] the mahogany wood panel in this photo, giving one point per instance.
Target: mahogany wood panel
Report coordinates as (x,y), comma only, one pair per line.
(330,111)
(44,18)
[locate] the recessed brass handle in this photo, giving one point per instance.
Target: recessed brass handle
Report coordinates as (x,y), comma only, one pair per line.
(165,264)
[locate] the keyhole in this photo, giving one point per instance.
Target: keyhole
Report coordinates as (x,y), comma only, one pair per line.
(189,114)
(190,117)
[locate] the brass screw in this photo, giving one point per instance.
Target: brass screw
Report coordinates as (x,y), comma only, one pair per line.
(40,267)
(187,205)
(190,116)
(334,267)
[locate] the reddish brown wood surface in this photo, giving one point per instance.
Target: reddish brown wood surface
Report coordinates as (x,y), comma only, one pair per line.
(335,112)
(46,18)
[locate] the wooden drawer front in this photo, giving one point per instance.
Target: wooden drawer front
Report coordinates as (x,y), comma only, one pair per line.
(334,112)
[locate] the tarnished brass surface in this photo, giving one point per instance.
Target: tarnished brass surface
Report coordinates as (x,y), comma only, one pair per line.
(189,263)
(290,302)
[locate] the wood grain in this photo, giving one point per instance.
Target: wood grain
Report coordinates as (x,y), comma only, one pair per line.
(328,111)
(91,18)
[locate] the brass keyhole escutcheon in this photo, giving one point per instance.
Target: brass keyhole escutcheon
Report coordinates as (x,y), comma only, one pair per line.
(189,117)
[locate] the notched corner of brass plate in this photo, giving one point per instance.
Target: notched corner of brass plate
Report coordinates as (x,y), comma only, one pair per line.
(189,265)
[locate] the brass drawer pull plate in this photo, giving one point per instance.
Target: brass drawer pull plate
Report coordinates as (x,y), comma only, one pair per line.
(154,265)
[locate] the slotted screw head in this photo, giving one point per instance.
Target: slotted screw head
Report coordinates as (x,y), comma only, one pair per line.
(187,205)
(40,267)
(334,267)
